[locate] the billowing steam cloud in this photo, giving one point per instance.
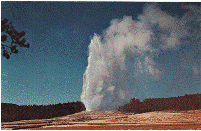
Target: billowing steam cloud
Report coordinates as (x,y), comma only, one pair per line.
(152,56)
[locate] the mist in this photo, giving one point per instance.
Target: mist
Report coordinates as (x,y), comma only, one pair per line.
(155,55)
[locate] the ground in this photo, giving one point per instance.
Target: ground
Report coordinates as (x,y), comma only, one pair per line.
(106,120)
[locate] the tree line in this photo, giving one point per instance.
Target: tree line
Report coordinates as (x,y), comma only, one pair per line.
(13,112)
(180,103)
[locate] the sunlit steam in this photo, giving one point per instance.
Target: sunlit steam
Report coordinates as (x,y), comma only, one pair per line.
(143,58)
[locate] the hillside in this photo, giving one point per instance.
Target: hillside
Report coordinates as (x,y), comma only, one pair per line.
(180,103)
(13,112)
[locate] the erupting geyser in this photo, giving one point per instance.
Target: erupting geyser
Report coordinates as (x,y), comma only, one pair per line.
(152,56)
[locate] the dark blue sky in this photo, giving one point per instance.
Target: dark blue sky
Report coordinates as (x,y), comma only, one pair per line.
(59,33)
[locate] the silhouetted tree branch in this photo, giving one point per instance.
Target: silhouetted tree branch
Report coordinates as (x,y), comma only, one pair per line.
(16,38)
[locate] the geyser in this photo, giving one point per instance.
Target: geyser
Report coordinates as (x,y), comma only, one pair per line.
(155,55)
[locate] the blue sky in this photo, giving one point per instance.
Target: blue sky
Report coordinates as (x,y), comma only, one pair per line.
(51,70)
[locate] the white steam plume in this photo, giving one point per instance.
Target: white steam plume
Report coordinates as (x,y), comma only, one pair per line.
(123,60)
